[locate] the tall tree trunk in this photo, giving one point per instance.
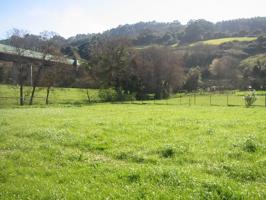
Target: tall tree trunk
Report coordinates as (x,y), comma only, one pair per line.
(88,96)
(21,99)
(35,83)
(47,95)
(32,94)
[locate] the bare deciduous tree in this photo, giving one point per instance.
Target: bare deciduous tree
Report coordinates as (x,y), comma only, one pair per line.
(17,40)
(50,52)
(158,71)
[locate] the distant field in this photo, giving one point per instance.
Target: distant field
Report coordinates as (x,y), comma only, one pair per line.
(122,151)
(206,42)
(224,40)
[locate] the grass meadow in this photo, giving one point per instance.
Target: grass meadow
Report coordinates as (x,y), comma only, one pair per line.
(225,40)
(9,97)
(132,151)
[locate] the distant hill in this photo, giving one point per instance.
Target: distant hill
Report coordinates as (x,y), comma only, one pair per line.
(135,30)
(174,33)
(148,33)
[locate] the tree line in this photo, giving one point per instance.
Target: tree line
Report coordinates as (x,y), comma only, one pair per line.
(116,62)
(147,33)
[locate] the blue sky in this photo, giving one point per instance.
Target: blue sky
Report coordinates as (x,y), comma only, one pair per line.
(70,17)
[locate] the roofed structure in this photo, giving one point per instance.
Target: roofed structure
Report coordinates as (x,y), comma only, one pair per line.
(9,52)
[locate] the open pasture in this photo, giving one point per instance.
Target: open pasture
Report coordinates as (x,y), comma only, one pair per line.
(130,151)
(9,97)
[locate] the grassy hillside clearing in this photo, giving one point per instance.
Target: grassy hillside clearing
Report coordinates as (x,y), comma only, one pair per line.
(225,40)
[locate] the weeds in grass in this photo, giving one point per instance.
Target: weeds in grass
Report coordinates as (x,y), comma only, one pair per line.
(3,177)
(122,156)
(250,145)
(170,178)
(214,190)
(133,177)
(167,152)
(4,123)
(211,131)
(133,157)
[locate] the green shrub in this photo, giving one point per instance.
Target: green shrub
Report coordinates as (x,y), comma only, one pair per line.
(112,95)
(107,95)
(250,98)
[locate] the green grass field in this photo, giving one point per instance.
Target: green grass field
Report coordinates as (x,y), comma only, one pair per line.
(123,151)
(137,150)
(57,95)
(225,40)
(69,96)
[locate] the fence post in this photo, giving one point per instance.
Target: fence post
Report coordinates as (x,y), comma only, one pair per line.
(210,99)
(194,99)
(227,100)
(180,99)
(189,100)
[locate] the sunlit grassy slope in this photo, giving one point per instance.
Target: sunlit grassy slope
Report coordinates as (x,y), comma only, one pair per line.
(120,151)
(224,40)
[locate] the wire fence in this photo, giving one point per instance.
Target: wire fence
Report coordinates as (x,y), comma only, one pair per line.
(208,99)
